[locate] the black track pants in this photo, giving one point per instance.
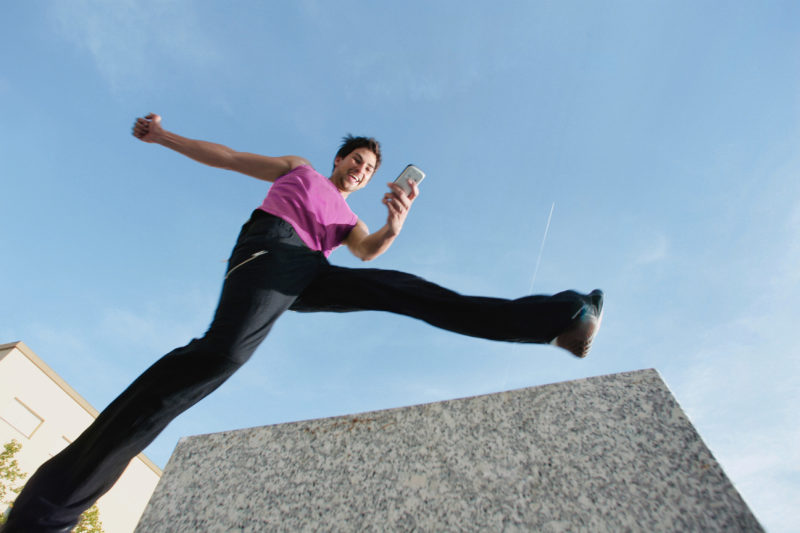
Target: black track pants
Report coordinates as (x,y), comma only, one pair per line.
(270,271)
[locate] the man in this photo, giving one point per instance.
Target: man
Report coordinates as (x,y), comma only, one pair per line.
(280,262)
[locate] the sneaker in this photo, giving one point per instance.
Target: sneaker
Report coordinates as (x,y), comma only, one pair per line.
(577,338)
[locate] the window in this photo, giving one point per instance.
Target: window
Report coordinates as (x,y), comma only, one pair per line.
(21,418)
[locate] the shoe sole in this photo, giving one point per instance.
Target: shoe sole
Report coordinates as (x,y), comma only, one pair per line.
(578,339)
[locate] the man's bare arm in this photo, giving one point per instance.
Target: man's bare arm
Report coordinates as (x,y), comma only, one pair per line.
(266,168)
(367,246)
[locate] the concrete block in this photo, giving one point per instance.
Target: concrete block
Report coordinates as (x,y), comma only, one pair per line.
(610,453)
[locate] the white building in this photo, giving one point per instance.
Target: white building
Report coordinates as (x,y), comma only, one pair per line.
(42,412)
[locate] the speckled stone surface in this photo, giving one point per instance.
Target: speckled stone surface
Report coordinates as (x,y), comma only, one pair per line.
(610,453)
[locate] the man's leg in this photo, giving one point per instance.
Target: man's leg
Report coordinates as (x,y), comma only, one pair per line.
(253,296)
(531,319)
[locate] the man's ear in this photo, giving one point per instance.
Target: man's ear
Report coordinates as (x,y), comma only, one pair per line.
(337,160)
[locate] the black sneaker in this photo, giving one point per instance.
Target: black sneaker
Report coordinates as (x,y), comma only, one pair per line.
(577,338)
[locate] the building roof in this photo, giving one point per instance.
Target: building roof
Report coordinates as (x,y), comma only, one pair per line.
(5,349)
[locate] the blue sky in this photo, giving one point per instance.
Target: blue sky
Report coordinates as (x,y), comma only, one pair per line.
(663,135)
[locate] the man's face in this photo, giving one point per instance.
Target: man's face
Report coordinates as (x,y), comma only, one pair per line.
(353,171)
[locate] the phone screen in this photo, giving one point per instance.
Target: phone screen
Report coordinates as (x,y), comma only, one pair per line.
(409,173)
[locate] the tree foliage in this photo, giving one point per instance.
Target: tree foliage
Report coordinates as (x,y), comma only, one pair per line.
(10,474)
(90,522)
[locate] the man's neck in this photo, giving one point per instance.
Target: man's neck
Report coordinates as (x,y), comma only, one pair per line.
(344,194)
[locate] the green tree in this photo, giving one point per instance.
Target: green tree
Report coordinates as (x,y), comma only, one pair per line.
(90,522)
(10,474)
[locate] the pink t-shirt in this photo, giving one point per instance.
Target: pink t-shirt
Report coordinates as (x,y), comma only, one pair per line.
(313,206)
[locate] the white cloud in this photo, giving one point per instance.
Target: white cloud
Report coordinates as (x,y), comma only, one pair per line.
(131,42)
(789,273)
(157,328)
(57,344)
(655,249)
(741,391)
(382,79)
(741,386)
(765,470)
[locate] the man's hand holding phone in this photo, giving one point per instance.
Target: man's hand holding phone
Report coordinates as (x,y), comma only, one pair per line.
(404,190)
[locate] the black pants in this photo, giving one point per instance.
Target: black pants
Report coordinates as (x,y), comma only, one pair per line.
(270,271)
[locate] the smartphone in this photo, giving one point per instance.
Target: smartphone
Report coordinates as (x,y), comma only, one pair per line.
(409,173)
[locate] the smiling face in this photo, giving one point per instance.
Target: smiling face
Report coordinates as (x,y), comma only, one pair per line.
(353,171)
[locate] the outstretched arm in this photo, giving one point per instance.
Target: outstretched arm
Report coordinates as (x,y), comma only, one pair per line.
(367,246)
(148,129)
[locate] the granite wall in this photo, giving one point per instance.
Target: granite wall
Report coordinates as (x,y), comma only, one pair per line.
(610,453)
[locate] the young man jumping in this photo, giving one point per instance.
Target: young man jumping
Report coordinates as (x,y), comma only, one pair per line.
(280,262)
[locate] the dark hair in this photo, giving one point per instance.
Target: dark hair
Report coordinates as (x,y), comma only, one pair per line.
(350,143)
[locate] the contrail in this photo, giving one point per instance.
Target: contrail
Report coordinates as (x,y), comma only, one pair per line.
(530,290)
(541,248)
